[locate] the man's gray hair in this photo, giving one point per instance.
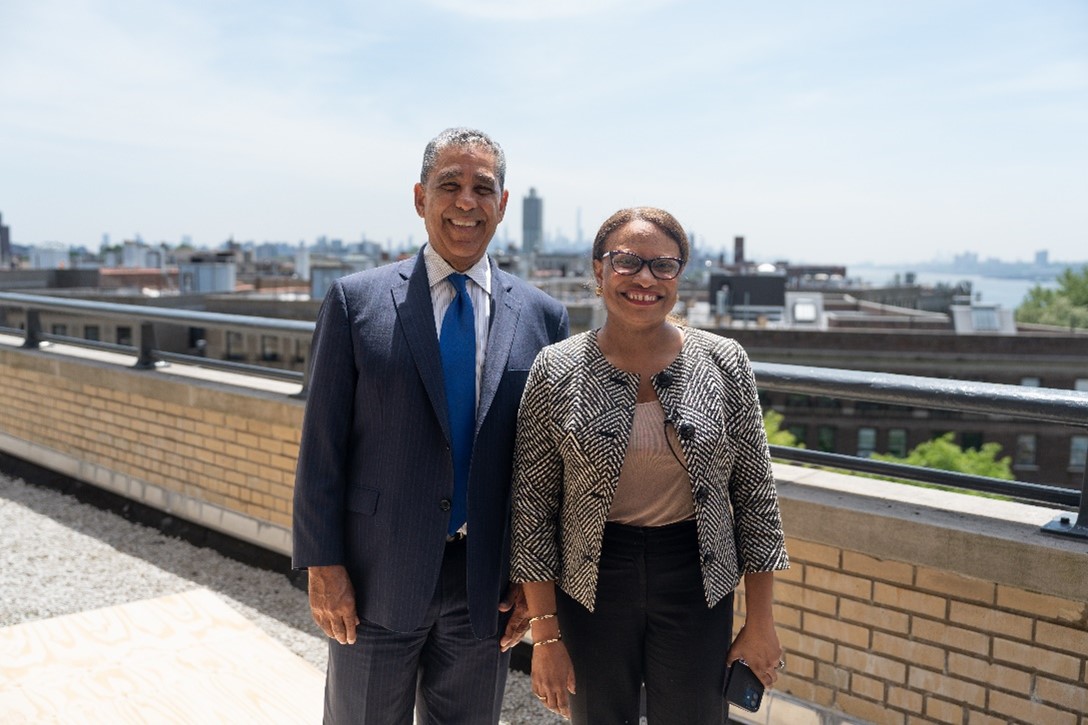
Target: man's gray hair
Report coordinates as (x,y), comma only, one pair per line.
(462,137)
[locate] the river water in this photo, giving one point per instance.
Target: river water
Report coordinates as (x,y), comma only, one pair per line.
(1008,293)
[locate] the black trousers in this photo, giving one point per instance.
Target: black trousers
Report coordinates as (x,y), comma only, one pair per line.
(440,670)
(651,625)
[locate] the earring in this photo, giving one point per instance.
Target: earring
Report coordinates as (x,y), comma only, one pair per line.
(598,291)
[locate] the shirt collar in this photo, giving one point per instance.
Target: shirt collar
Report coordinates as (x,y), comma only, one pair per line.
(438,269)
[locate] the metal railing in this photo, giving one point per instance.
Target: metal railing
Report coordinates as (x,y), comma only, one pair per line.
(148,354)
(1064,407)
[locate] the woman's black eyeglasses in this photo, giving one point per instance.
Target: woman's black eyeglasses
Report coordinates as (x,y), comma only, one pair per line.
(628,264)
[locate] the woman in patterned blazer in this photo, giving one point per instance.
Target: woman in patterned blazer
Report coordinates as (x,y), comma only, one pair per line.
(642,492)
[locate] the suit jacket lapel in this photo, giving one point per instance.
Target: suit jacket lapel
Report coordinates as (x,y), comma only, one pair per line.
(500,338)
(415,315)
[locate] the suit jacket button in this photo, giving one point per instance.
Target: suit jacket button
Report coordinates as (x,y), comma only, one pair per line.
(708,557)
(445,504)
(700,494)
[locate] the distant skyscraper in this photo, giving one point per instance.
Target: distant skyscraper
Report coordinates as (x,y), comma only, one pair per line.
(532,223)
(5,245)
(302,262)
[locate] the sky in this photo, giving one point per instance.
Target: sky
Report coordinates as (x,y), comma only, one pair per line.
(875,131)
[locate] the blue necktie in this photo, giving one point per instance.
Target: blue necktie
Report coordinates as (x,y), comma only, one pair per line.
(457,345)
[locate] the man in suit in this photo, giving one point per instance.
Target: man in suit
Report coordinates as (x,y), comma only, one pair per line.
(402,491)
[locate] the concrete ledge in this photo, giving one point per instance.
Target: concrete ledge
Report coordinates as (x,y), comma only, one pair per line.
(52,352)
(935,528)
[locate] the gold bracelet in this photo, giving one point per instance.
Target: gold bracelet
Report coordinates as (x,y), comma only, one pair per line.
(553,640)
(540,617)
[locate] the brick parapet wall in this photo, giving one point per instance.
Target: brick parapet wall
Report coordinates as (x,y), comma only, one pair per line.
(903,605)
(907,605)
(219,454)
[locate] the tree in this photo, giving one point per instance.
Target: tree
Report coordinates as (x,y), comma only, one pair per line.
(1066,306)
(943,454)
(776,436)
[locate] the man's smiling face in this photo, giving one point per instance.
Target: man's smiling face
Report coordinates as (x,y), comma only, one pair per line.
(461,204)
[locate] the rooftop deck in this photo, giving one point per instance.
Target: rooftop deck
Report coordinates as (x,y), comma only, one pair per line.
(902,605)
(106,621)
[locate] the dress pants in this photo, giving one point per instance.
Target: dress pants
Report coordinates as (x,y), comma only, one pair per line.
(651,625)
(440,669)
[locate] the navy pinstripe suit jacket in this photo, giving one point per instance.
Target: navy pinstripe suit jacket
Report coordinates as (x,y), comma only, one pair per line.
(375,473)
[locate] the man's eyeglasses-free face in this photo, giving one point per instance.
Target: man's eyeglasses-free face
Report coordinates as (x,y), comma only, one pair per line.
(629,264)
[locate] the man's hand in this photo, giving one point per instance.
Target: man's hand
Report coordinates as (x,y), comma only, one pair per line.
(519,620)
(332,602)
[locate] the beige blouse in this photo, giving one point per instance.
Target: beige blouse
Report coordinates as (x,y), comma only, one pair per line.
(654,488)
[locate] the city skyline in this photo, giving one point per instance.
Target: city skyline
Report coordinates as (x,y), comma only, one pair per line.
(849,131)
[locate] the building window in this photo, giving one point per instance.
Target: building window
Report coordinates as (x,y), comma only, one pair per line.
(124,335)
(270,348)
(235,346)
(91,332)
(866,442)
(198,341)
(799,432)
(971,439)
(60,329)
(797,400)
(897,442)
(1031,382)
(825,438)
(1025,449)
(804,310)
(985,319)
(1078,449)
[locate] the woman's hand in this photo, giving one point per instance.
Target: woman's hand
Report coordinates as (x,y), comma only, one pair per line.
(553,677)
(759,648)
(757,642)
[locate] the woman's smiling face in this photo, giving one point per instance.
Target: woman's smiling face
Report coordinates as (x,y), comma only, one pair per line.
(640,299)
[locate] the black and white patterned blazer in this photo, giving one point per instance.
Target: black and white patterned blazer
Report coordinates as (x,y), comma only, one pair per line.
(573,428)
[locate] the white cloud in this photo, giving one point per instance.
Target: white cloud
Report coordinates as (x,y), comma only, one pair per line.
(1069,76)
(529,10)
(282,120)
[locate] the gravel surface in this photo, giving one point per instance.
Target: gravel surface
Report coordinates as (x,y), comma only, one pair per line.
(60,556)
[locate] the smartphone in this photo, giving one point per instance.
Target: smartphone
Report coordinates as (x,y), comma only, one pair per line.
(742,687)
